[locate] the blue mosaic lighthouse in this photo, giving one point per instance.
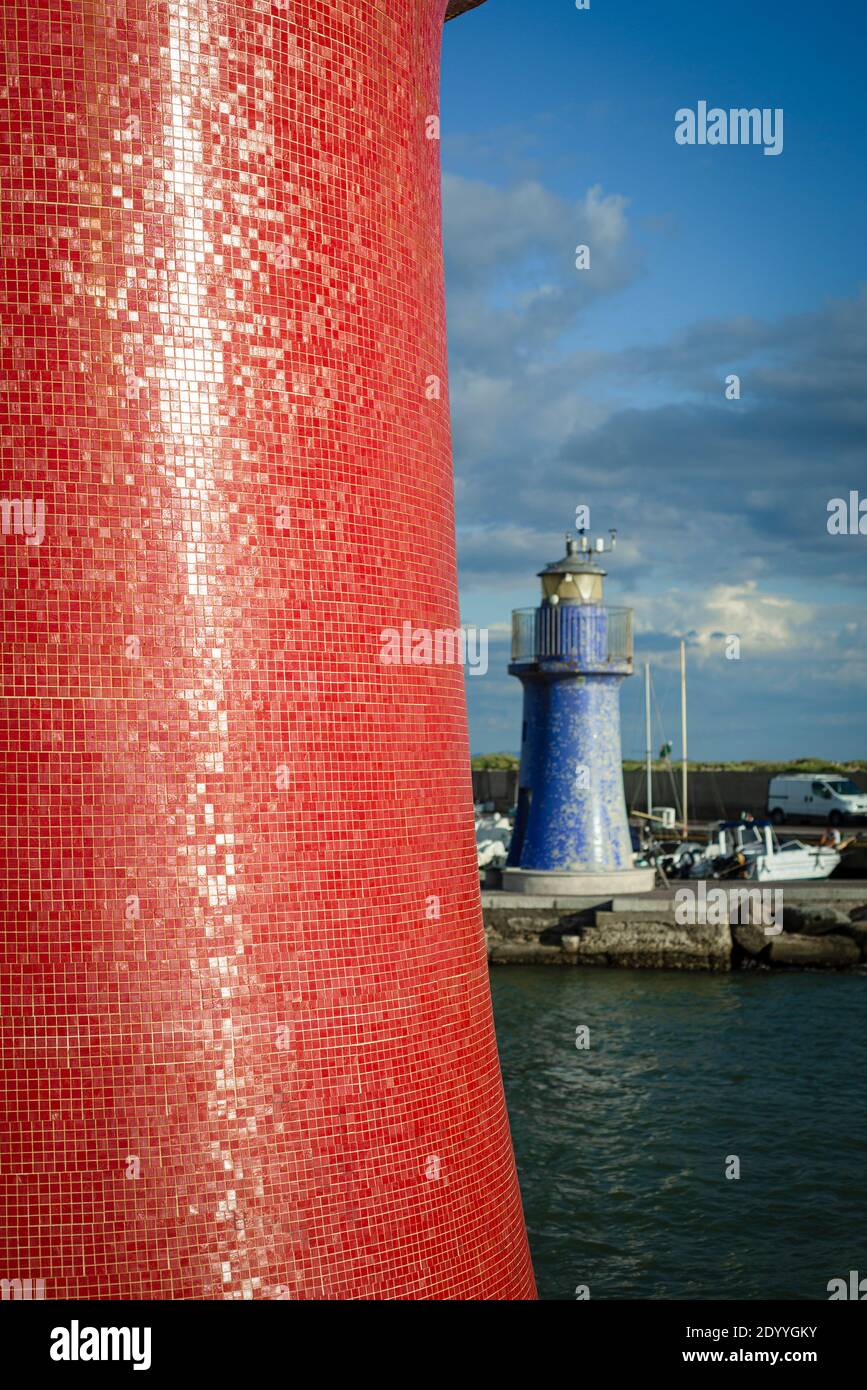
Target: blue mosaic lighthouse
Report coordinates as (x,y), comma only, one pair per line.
(570,654)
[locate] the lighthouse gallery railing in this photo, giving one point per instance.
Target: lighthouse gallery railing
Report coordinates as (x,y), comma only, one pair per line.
(583,634)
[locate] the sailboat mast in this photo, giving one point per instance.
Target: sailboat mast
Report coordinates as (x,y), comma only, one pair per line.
(683,737)
(648,746)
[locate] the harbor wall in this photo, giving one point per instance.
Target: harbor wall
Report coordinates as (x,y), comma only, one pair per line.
(821,927)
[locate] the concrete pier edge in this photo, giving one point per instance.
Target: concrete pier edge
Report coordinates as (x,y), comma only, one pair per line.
(822,926)
(535,882)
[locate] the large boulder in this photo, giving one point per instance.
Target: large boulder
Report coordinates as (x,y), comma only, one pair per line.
(753,940)
(814,921)
(640,941)
(856,930)
(822,952)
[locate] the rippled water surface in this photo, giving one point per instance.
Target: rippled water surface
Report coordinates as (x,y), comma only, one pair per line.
(622,1149)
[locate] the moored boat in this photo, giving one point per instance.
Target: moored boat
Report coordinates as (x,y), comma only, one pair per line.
(751,850)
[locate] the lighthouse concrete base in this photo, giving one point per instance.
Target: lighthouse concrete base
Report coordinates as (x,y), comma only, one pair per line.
(554,883)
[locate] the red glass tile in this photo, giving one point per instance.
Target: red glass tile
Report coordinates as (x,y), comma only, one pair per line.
(241,1055)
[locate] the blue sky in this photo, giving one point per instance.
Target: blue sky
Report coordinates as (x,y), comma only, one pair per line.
(606,387)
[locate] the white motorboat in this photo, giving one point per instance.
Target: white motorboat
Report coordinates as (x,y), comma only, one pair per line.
(493,837)
(751,850)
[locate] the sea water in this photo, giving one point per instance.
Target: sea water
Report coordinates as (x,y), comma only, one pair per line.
(630,1094)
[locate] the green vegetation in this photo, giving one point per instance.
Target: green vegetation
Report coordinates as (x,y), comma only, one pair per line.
(483,761)
(510,760)
(796,765)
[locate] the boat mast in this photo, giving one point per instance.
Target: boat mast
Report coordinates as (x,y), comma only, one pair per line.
(683,735)
(648,746)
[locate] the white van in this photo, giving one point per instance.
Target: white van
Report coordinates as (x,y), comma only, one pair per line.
(815,796)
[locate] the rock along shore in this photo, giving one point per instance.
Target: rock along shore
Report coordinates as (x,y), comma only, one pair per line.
(823,927)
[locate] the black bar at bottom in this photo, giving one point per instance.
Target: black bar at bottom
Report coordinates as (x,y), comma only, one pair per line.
(227,1339)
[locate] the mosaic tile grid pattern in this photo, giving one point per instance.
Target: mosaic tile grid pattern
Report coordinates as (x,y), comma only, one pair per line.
(247,1045)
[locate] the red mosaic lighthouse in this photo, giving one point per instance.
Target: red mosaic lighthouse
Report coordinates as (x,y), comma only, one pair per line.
(247,1046)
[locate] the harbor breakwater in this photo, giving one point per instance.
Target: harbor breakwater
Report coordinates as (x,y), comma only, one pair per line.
(819,927)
